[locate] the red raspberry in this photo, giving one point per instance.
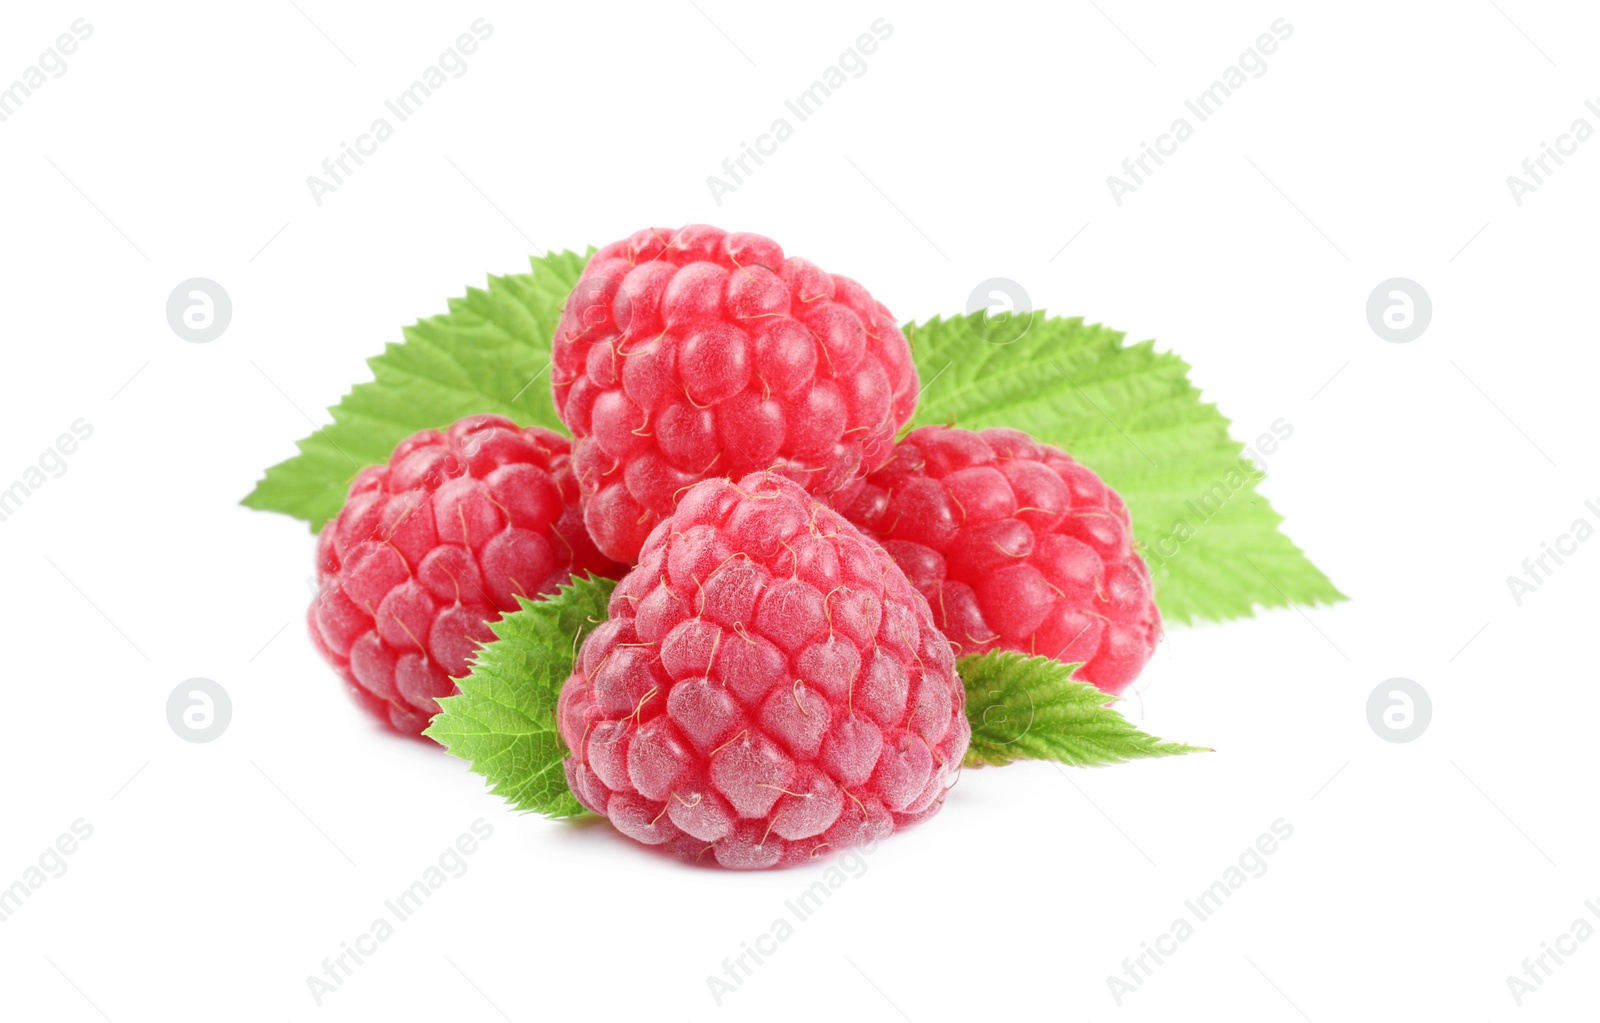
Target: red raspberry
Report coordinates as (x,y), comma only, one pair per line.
(694,353)
(1015,545)
(768,687)
(434,544)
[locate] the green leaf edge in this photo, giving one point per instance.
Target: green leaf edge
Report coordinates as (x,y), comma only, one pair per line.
(473,689)
(1315,590)
(1080,702)
(279,489)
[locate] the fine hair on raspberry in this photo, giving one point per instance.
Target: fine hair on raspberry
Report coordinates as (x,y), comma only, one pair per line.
(684,354)
(433,545)
(769,688)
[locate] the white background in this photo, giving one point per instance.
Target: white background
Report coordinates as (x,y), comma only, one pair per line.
(976,144)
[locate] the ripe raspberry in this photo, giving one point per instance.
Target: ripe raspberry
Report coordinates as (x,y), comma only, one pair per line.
(1015,545)
(768,687)
(432,545)
(694,353)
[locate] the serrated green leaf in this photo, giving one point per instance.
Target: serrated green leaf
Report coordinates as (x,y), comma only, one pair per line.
(504,719)
(1031,708)
(488,354)
(1130,414)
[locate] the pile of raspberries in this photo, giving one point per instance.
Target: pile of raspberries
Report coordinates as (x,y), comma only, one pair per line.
(776,679)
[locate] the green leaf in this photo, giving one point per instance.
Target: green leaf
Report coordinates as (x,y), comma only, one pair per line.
(504,719)
(1031,708)
(488,354)
(1130,414)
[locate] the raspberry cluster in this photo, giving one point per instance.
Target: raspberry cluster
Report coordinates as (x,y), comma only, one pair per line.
(1017,546)
(767,687)
(432,546)
(775,679)
(691,353)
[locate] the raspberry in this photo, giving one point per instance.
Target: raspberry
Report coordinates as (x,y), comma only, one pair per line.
(768,686)
(433,545)
(1017,546)
(694,353)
